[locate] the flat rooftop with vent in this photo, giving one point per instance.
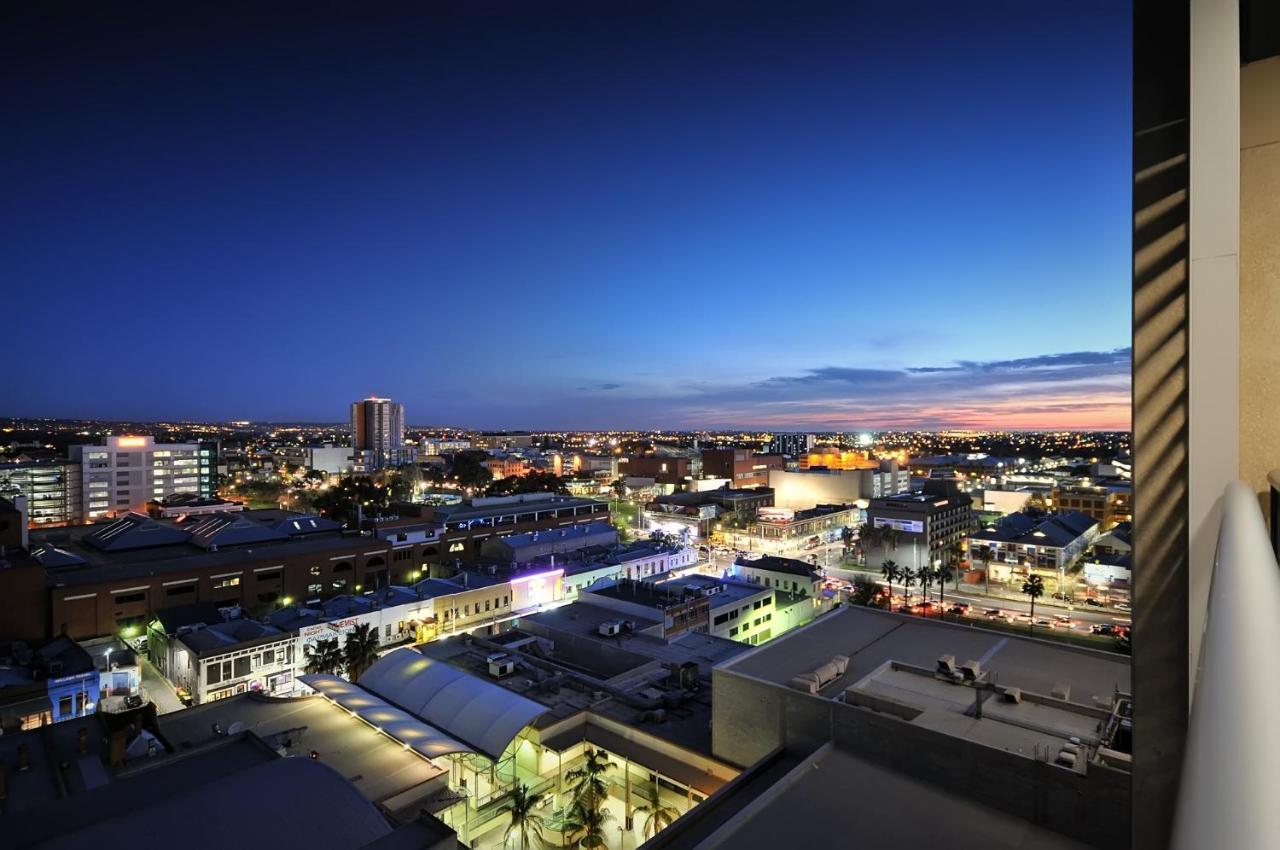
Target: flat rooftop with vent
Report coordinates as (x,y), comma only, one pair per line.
(1006,720)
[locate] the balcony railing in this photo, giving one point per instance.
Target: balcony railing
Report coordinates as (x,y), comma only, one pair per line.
(1227,797)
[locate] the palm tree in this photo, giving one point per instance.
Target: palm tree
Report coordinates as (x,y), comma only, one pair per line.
(1033,587)
(984,555)
(925,576)
(659,818)
(360,651)
(889,538)
(588,777)
(944,573)
(889,570)
(585,825)
(325,657)
(908,578)
(958,553)
(525,820)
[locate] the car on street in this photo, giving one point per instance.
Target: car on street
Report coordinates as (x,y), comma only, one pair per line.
(1122,606)
(994,614)
(1095,603)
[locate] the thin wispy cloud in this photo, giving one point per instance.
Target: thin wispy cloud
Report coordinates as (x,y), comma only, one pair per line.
(1079,389)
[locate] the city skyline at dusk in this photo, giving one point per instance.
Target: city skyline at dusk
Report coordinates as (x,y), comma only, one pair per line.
(587,219)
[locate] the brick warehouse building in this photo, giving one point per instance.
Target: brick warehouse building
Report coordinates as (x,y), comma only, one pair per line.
(111,578)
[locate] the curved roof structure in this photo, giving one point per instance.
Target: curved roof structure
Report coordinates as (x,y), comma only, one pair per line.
(423,738)
(478,712)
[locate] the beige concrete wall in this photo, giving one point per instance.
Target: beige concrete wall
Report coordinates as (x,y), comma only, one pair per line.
(1259,271)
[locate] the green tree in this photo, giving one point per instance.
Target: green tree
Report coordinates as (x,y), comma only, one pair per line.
(659,817)
(344,501)
(468,469)
(864,591)
(360,651)
(525,820)
(534,482)
(325,657)
(889,570)
(1033,587)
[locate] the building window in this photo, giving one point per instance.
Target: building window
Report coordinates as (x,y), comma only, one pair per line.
(315,571)
(241,666)
(273,575)
(126,598)
(226,581)
(180,590)
(314,589)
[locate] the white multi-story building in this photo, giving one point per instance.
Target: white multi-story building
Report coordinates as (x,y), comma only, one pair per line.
(126,472)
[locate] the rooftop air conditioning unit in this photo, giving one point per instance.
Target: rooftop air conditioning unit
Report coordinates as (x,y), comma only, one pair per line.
(502,666)
(947,665)
(972,670)
(610,628)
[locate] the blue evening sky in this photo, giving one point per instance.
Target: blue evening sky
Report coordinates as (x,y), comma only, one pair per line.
(543,215)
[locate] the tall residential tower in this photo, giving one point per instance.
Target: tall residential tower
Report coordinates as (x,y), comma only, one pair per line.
(377,432)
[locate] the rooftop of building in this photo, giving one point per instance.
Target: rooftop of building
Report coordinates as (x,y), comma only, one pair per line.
(870,637)
(1121,533)
(1037,529)
(191,500)
(647,593)
(778,564)
(569,691)
(21,664)
(722,591)
(137,545)
(567,534)
(802,800)
(705,497)
(482,507)
(176,792)
(379,768)
(920,498)
(217,637)
(583,619)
